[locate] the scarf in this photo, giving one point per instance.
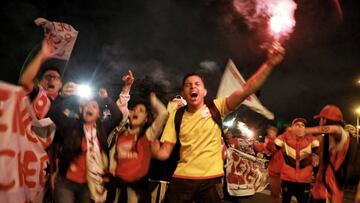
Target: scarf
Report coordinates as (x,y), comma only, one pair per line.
(94,166)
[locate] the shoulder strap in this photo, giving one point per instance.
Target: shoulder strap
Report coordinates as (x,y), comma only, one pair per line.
(178,117)
(216,116)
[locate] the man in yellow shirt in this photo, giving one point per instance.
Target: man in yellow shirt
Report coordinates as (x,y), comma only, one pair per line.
(197,177)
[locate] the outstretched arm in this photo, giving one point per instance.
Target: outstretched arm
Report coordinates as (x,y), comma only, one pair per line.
(27,77)
(333,130)
(275,56)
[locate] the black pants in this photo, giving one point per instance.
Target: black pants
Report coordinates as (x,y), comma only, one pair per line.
(300,190)
(198,191)
(317,201)
(141,187)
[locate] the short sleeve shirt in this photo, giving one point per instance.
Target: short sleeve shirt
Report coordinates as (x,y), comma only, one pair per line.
(200,138)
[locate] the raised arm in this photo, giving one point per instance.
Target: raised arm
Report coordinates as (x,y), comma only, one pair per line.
(124,95)
(116,115)
(275,56)
(28,75)
(161,117)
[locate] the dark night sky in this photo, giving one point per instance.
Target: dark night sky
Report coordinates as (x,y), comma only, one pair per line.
(165,39)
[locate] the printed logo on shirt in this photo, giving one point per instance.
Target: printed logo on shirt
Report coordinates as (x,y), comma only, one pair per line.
(205,113)
(125,150)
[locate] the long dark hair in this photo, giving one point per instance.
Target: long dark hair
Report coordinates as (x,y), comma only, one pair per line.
(339,174)
(147,123)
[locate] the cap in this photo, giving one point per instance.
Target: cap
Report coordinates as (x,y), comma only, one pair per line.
(303,120)
(330,112)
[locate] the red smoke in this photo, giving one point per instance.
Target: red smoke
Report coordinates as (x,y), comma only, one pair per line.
(279,15)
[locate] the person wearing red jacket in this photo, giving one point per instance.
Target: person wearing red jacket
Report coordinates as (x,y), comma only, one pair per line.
(274,164)
(296,170)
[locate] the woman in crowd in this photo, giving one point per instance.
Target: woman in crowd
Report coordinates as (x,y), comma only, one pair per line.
(132,145)
(82,159)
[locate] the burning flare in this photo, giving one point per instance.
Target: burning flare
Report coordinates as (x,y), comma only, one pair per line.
(282,20)
(279,15)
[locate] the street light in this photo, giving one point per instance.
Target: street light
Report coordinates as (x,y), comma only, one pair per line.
(357,111)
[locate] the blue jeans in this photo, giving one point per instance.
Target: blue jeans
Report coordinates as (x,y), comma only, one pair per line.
(67,191)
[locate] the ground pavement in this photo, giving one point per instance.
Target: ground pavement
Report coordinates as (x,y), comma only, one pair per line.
(265,197)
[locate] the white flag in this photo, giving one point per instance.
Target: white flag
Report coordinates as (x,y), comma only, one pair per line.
(233,80)
(60,36)
(24,163)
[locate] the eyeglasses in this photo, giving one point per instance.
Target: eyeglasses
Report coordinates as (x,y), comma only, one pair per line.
(50,77)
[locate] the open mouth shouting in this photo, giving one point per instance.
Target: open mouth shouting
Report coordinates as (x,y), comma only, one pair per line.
(89,116)
(134,117)
(50,86)
(89,113)
(193,95)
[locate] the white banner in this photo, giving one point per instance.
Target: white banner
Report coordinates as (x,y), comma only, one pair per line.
(233,80)
(23,160)
(245,173)
(60,36)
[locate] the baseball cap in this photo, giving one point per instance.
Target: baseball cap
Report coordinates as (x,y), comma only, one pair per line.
(330,112)
(303,120)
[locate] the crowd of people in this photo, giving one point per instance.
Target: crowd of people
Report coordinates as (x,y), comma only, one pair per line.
(102,150)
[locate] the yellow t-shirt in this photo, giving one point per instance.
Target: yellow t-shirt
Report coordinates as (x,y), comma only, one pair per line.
(200,138)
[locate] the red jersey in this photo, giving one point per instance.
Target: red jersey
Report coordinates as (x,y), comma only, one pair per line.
(77,169)
(132,164)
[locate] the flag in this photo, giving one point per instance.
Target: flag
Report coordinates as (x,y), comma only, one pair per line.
(60,36)
(245,173)
(233,80)
(24,163)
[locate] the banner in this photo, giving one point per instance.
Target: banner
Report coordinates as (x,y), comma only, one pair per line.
(60,36)
(245,173)
(24,164)
(233,80)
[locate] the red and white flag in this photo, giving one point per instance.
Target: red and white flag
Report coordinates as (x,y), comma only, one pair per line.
(245,173)
(60,36)
(23,139)
(233,80)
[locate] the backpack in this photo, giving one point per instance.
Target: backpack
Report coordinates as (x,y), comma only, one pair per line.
(164,170)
